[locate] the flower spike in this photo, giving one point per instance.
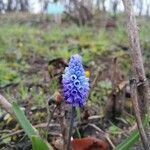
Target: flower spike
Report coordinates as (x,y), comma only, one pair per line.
(75,83)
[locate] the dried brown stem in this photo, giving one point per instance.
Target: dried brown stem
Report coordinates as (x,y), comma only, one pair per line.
(5,105)
(140,92)
(64,130)
(137,114)
(106,135)
(136,56)
(50,118)
(41,125)
(96,78)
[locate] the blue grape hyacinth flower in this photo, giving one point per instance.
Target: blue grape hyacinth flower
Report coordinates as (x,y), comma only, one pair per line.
(75,83)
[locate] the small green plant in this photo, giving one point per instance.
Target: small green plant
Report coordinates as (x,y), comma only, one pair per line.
(133,138)
(7,75)
(32,133)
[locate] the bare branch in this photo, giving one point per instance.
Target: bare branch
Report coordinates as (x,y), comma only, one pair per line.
(136,56)
(5,105)
(134,41)
(140,92)
(143,135)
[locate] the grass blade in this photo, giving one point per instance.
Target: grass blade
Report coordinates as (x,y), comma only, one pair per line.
(39,144)
(132,139)
(24,122)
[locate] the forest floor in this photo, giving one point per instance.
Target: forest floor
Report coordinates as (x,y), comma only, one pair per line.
(33,55)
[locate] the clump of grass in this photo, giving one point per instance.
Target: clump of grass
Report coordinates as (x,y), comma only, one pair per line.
(7,74)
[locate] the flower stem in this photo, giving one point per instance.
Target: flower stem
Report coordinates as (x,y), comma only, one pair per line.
(71,127)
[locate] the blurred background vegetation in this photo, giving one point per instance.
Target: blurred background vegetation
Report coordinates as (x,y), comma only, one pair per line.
(34,34)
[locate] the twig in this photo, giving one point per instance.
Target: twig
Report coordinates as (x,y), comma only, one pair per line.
(50,118)
(132,128)
(41,125)
(96,78)
(106,135)
(63,125)
(137,114)
(6,105)
(5,131)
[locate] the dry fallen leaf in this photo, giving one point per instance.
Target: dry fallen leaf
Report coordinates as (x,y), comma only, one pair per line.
(89,143)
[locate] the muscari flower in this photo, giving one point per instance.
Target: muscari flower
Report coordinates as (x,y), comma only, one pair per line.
(75,83)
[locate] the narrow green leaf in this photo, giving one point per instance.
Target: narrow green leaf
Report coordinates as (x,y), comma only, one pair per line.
(24,122)
(39,144)
(129,142)
(78,114)
(132,139)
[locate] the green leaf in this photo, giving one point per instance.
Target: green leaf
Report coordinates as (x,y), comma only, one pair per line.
(129,142)
(114,129)
(24,122)
(39,144)
(78,114)
(132,139)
